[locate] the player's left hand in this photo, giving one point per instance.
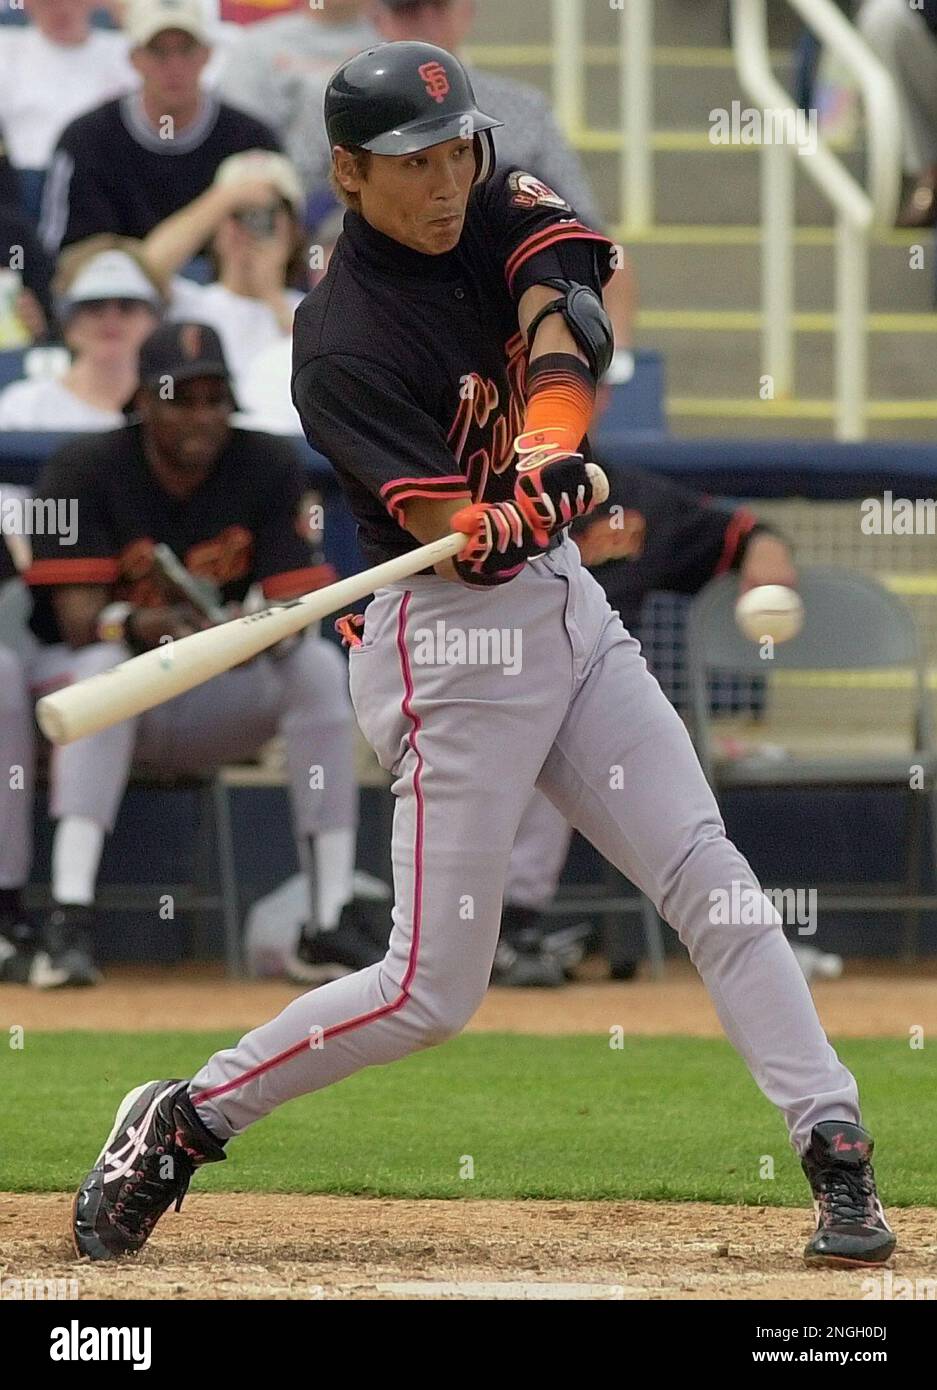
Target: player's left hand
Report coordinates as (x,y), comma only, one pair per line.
(552,487)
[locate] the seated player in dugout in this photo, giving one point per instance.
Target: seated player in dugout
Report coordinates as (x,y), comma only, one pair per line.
(232,505)
(447,273)
(649,535)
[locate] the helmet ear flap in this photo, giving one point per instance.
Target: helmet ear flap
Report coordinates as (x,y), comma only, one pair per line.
(484,155)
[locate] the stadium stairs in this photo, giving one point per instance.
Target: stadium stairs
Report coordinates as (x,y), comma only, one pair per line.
(699,266)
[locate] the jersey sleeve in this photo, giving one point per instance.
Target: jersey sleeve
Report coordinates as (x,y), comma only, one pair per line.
(286,563)
(75,543)
(370,426)
(539,235)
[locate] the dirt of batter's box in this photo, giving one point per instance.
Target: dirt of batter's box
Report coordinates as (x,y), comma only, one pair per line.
(874,999)
(298,1247)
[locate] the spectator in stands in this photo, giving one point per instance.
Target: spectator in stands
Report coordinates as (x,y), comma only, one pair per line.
(250,219)
(277,69)
(530,139)
(9,183)
(129,164)
(54,70)
(110,302)
(232,506)
(264,390)
(25,275)
(905,38)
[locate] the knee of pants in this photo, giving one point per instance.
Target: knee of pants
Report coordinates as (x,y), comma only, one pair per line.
(14,687)
(316,673)
(435,1013)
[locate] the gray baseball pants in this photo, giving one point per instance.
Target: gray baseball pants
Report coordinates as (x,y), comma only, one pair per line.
(467,740)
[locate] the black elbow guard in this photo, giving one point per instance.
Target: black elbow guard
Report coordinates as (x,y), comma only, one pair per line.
(588,322)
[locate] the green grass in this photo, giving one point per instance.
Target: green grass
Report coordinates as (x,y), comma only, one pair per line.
(569,1117)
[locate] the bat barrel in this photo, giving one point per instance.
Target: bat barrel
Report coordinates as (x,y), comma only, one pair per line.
(150,679)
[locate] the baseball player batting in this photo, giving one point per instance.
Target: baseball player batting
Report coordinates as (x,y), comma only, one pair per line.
(447,366)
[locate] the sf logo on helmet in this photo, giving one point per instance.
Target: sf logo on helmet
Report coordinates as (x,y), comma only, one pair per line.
(436,80)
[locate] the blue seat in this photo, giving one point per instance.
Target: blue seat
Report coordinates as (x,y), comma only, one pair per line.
(11,366)
(637,407)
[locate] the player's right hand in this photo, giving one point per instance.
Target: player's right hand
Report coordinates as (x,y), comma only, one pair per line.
(500,539)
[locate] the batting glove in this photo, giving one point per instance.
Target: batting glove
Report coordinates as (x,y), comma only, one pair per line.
(553,487)
(500,539)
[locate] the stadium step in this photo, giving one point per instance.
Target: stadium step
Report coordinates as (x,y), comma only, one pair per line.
(699,268)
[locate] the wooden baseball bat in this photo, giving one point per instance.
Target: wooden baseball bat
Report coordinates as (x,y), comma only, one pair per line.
(164,672)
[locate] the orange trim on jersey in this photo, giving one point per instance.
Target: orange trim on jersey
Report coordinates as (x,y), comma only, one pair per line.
(546,237)
(87,571)
(292,583)
(740,523)
(427,482)
(448,494)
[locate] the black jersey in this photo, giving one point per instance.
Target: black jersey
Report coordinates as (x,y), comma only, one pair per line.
(248,523)
(409,371)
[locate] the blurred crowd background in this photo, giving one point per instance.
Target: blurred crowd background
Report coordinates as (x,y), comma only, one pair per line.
(164,167)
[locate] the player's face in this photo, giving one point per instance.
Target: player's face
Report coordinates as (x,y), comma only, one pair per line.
(420,199)
(191,428)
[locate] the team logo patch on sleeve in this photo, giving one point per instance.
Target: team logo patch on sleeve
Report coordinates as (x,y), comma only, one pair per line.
(530,192)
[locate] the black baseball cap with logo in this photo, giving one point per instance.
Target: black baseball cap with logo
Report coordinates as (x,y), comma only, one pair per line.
(182,352)
(399,98)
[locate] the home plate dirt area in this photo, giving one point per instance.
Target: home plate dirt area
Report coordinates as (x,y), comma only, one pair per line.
(298,1247)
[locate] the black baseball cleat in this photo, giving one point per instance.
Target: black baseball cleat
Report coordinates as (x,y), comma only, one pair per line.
(328,955)
(67,934)
(156,1145)
(851,1226)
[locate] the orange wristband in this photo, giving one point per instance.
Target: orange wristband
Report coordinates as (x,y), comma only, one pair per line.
(560,401)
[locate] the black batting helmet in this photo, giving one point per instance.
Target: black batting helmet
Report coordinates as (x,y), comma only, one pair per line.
(399,98)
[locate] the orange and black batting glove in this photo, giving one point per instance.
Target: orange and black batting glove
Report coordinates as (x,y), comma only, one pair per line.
(500,540)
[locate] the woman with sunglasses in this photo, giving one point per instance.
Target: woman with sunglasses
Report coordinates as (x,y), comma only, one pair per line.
(109,302)
(249,221)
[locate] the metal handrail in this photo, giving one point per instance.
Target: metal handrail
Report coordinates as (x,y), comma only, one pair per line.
(860,210)
(635,65)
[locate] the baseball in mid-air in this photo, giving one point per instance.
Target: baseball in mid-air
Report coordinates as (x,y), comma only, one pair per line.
(770,610)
